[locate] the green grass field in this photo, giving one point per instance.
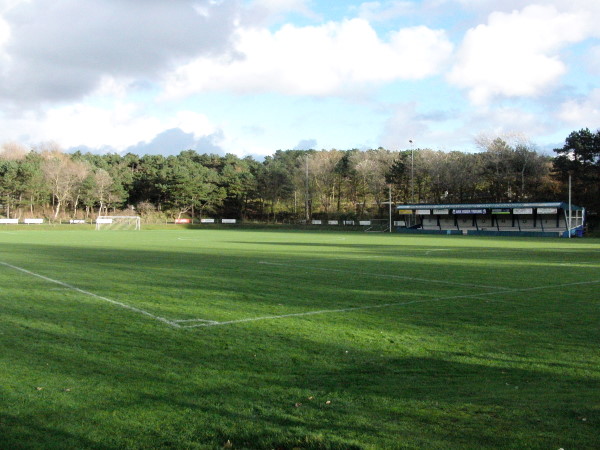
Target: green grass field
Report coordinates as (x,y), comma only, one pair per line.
(267,339)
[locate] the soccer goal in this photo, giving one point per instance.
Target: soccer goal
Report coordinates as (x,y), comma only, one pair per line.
(118,223)
(378,226)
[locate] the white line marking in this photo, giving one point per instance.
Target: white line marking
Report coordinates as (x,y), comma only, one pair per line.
(212,323)
(194,320)
(386,305)
(428,252)
(582,264)
(381,275)
(91,294)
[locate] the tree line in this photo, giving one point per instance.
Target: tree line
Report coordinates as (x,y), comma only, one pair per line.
(292,185)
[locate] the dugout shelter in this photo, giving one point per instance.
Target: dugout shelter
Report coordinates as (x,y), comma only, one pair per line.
(549,219)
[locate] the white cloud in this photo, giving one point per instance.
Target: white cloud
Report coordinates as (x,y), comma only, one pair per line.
(118,126)
(593,60)
(582,112)
(320,60)
(456,130)
(7,5)
(404,125)
(59,50)
(4,37)
(51,55)
(283,6)
(96,127)
(517,54)
(266,12)
(486,7)
(111,87)
(506,121)
(4,32)
(381,12)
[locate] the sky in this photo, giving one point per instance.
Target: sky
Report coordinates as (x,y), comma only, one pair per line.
(249,77)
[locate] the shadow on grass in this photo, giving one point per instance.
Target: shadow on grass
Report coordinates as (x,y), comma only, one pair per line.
(30,432)
(138,384)
(177,274)
(269,387)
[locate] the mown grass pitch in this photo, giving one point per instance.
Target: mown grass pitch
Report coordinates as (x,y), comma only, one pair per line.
(265,339)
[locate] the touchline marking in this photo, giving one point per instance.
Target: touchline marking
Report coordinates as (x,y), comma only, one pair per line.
(386,305)
(91,294)
(381,275)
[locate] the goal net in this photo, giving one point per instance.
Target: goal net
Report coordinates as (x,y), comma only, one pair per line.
(118,223)
(378,226)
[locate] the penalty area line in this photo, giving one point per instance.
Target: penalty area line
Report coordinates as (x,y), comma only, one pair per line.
(195,320)
(387,305)
(91,294)
(381,275)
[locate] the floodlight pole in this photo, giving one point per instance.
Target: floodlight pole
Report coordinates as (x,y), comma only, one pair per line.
(570,207)
(307,193)
(412,172)
(390,201)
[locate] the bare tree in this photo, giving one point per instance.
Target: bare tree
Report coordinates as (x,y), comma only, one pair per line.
(13,151)
(365,169)
(103,183)
(436,165)
(321,167)
(372,170)
(63,175)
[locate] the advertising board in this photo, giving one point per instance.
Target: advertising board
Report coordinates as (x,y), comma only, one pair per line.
(469,211)
(522,211)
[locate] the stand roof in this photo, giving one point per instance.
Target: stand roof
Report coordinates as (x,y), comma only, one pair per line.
(561,205)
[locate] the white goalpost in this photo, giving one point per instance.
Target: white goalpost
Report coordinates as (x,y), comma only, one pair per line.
(118,223)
